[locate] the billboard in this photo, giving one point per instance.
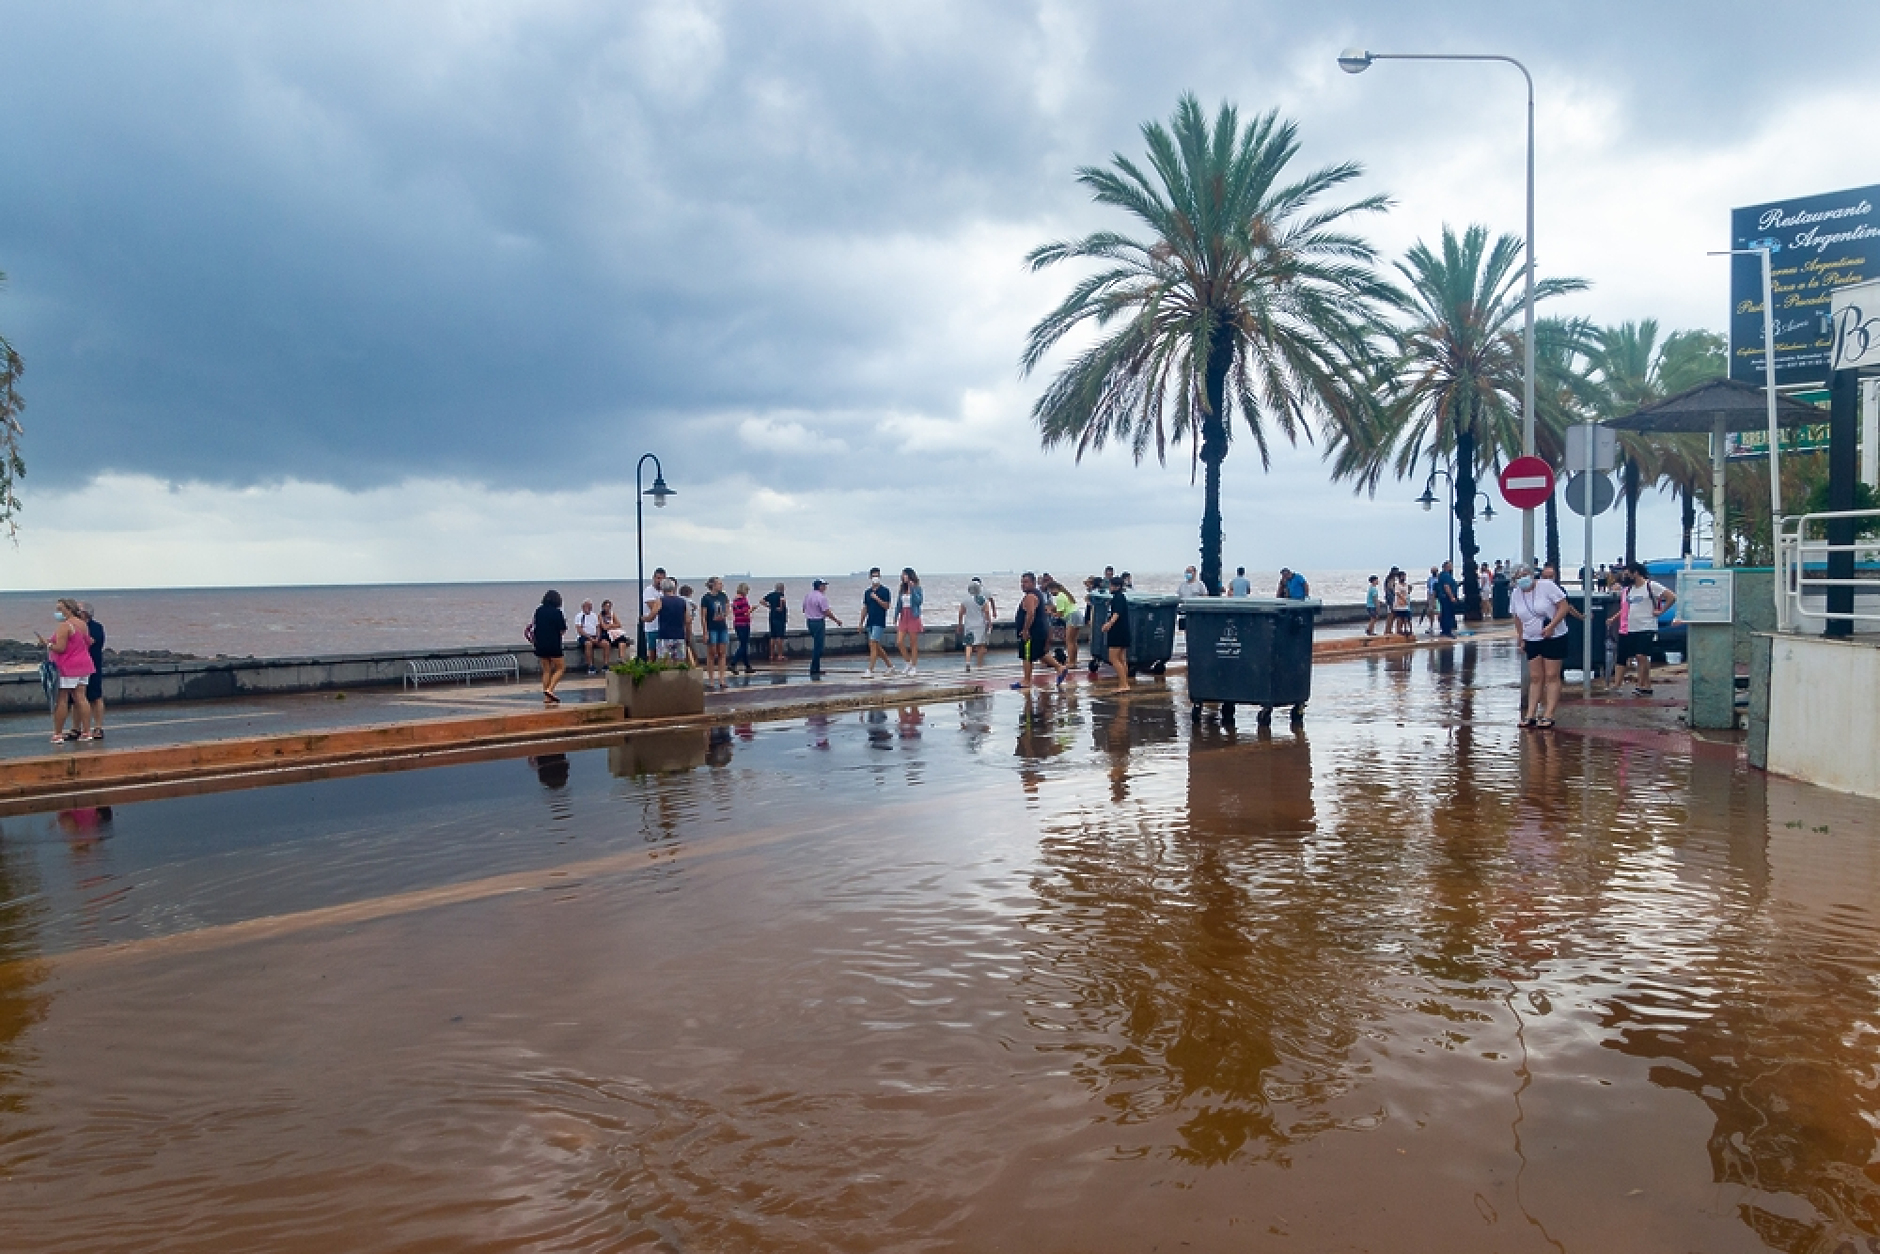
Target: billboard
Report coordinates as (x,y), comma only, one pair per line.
(1819,243)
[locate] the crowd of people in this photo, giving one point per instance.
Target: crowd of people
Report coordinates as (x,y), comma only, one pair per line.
(681,629)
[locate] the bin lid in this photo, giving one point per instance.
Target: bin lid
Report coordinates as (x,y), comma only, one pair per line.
(1146,598)
(1250,605)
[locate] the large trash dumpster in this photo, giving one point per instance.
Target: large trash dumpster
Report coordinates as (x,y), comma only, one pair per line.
(1096,613)
(1152,632)
(1250,651)
(1605,605)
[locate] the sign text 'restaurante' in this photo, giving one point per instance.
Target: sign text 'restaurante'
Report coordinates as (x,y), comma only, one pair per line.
(1817,244)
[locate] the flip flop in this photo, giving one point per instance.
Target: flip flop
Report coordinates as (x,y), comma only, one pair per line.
(1544,723)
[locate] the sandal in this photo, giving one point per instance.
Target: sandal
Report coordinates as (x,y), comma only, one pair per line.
(1544,723)
(1528,722)
(549,698)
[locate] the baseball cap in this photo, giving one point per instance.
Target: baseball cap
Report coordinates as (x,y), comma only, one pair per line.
(818,583)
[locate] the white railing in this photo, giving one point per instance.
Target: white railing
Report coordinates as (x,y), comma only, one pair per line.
(1802,582)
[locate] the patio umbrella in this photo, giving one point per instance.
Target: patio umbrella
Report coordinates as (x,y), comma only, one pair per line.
(1717,407)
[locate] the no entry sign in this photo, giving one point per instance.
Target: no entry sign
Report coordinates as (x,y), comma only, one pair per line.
(1527,482)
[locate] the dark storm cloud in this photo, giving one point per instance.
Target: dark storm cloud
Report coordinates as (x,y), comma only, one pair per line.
(355,243)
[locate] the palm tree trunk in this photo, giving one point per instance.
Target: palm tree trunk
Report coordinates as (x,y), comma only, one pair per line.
(1553,533)
(1464,508)
(1631,511)
(1213,452)
(1688,509)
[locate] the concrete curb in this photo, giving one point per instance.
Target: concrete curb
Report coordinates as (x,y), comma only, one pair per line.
(115,775)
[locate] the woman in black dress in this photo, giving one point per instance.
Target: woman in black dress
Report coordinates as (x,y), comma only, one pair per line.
(1116,632)
(545,634)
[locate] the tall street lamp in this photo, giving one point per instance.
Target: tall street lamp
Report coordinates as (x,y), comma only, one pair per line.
(1428,502)
(659,492)
(1357,61)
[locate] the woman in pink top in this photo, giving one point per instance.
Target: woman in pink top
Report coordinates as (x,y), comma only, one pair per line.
(69,651)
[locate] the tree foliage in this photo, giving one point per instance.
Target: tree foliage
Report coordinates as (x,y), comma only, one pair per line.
(1452,390)
(1243,294)
(12,405)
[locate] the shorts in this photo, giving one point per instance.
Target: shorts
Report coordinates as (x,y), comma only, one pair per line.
(1033,647)
(94,686)
(1076,619)
(908,622)
(1636,643)
(1553,648)
(1402,616)
(777,627)
(673,651)
(717,635)
(878,634)
(969,640)
(69,682)
(1371,612)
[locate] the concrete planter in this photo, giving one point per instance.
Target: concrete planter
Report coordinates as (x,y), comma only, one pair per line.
(664,694)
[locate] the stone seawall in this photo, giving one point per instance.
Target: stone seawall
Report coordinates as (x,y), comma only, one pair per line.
(209,679)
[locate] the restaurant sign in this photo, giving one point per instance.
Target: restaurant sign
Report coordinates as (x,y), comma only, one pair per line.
(1812,438)
(1817,244)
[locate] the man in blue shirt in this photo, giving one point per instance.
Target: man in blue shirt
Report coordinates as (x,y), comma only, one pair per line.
(1297,589)
(1239,586)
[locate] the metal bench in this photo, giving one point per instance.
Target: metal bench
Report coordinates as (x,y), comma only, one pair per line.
(485,666)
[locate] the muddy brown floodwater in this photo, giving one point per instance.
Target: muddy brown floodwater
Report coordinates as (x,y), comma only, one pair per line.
(1057,974)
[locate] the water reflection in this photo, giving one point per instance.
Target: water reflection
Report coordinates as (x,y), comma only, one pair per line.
(1197,974)
(661,752)
(22,1000)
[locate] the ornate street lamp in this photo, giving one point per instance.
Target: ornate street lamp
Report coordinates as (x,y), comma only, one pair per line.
(659,492)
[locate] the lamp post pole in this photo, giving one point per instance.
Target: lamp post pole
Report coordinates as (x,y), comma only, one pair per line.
(1428,502)
(1769,394)
(1357,61)
(659,492)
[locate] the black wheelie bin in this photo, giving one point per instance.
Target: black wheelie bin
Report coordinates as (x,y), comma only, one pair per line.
(1096,613)
(1250,651)
(1152,632)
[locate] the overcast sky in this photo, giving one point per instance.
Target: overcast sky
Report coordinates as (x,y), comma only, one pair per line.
(363,292)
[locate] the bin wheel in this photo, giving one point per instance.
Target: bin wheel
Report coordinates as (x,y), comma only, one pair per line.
(1159,667)
(1194,715)
(1227,713)
(1299,713)
(1266,715)
(1132,670)
(1093,668)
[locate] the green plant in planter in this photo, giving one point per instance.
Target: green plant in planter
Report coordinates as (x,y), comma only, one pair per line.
(639,668)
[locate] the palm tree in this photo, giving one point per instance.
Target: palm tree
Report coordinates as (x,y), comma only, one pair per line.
(12,465)
(1244,295)
(1455,384)
(1633,369)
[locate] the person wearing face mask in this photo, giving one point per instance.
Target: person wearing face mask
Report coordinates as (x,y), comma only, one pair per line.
(1641,600)
(1540,616)
(975,623)
(1192,586)
(875,603)
(69,651)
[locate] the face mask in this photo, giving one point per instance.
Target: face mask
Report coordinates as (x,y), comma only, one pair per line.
(874,581)
(1525,582)
(59,614)
(979,598)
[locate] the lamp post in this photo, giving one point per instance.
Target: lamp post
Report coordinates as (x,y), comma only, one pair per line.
(1357,61)
(659,492)
(1719,540)
(1428,502)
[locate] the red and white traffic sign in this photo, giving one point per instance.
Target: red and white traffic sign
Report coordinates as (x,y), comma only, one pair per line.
(1527,482)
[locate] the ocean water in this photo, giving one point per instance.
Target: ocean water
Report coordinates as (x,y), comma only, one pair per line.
(368,618)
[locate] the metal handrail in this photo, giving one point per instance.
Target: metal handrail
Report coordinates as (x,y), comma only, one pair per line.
(1796,553)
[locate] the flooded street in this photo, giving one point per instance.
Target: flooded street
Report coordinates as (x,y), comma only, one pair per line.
(1045,973)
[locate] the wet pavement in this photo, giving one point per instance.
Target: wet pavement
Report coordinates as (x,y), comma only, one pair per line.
(1045,972)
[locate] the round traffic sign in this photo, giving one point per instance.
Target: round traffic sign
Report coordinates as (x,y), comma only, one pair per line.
(1598,484)
(1527,482)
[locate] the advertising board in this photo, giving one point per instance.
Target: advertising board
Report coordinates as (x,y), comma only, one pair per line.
(1818,244)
